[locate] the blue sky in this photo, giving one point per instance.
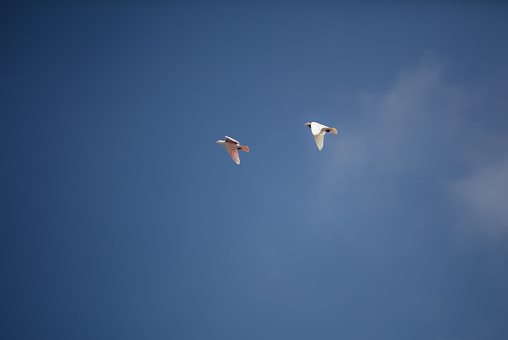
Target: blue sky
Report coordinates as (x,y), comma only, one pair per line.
(122,218)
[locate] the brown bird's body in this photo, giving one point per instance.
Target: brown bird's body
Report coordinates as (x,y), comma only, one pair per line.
(232,146)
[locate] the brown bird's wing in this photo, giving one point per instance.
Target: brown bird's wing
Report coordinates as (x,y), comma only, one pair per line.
(234,154)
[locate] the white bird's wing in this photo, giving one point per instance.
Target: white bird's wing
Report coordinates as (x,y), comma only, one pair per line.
(320,138)
(316,128)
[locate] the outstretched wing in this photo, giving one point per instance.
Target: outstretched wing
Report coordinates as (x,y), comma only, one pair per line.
(320,138)
(234,154)
(231,140)
(316,128)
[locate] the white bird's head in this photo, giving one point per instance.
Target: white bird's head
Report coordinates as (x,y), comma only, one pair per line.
(221,142)
(307,124)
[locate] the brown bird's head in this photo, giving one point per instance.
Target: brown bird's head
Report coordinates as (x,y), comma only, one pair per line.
(308,124)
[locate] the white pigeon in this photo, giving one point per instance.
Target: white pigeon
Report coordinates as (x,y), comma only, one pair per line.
(319,130)
(232,147)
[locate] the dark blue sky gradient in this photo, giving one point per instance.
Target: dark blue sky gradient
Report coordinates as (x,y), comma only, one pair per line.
(122,219)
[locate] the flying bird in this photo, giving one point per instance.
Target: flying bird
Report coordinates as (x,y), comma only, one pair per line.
(232,146)
(319,130)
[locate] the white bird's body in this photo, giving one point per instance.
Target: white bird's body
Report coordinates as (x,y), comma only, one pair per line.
(319,130)
(232,146)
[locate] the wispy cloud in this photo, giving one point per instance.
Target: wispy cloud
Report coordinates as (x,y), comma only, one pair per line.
(394,133)
(417,135)
(482,199)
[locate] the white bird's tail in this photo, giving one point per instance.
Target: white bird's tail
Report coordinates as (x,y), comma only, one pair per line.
(333,130)
(243,148)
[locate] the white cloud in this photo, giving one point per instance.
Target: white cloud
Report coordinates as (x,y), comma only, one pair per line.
(397,130)
(482,199)
(424,128)
(393,133)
